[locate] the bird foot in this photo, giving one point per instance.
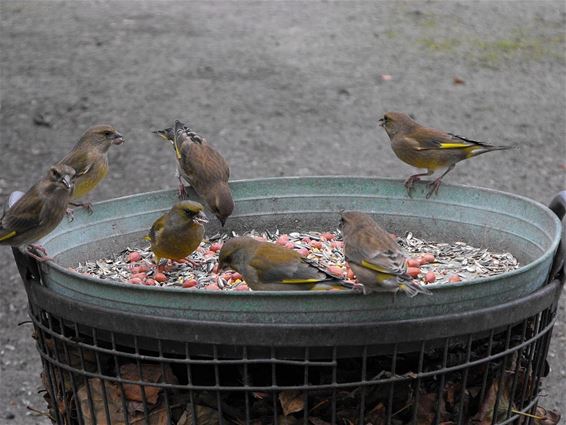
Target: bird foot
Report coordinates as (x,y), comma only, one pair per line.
(194,264)
(88,207)
(85,205)
(40,249)
(410,182)
(357,287)
(70,214)
(182,192)
(433,188)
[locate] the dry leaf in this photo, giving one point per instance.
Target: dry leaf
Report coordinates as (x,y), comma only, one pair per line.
(317,421)
(204,415)
(485,414)
(287,420)
(548,417)
(376,416)
(426,410)
(291,401)
(150,373)
(450,390)
(113,399)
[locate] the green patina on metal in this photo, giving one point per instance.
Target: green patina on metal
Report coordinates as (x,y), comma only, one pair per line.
(478,216)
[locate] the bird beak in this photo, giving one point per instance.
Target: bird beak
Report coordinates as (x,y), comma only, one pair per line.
(67,181)
(201,218)
(118,139)
(220,267)
(164,134)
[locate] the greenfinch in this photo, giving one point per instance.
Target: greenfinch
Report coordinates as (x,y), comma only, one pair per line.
(376,259)
(202,167)
(178,232)
(266,266)
(89,158)
(31,216)
(430,149)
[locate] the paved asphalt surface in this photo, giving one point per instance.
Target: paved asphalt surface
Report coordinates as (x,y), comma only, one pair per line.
(280,88)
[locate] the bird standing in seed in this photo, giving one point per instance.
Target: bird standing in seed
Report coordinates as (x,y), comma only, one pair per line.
(89,158)
(266,266)
(37,212)
(178,232)
(377,260)
(430,149)
(202,167)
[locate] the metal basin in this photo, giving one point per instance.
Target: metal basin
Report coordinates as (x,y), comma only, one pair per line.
(481,217)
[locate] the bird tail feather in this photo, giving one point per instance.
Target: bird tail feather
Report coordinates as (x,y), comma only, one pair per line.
(412,288)
(490,148)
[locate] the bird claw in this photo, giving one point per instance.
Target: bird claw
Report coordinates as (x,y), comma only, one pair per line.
(70,215)
(435,185)
(41,258)
(358,287)
(410,183)
(85,205)
(182,192)
(193,263)
(88,207)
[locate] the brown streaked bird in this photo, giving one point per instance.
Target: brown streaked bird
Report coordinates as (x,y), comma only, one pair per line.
(38,211)
(89,158)
(428,148)
(377,260)
(202,167)
(178,232)
(266,266)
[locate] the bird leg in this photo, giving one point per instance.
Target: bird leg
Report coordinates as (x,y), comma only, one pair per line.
(193,263)
(434,185)
(358,287)
(70,214)
(86,205)
(410,182)
(182,191)
(41,258)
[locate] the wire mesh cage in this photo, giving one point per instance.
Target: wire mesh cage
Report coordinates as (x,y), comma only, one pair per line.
(103,367)
(105,364)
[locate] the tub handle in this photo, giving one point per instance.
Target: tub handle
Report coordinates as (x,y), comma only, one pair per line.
(558,270)
(28,267)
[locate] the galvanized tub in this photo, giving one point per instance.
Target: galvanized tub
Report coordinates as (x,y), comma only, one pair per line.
(481,217)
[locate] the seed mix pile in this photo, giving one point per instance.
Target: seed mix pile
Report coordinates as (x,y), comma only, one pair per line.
(441,263)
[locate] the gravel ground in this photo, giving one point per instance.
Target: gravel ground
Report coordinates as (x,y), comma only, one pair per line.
(281,88)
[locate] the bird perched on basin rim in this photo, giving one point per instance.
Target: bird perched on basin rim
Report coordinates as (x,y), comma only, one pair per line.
(178,232)
(377,260)
(266,266)
(38,211)
(202,167)
(89,158)
(428,148)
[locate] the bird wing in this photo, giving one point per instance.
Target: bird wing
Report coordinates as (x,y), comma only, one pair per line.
(23,216)
(203,165)
(374,253)
(275,265)
(79,160)
(431,139)
(156,229)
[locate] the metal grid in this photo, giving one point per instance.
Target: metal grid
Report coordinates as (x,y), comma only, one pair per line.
(92,376)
